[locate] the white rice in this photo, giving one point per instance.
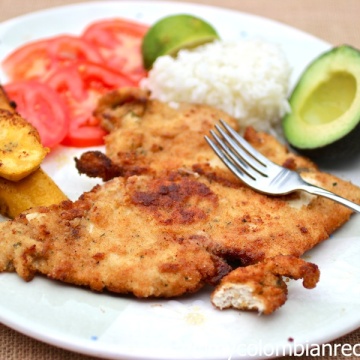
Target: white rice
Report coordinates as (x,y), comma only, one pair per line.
(248,79)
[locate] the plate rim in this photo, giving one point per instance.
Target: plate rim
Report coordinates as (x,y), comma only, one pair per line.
(87,348)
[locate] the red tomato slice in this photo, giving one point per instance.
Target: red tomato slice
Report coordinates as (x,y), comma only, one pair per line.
(119,43)
(65,76)
(81,85)
(42,107)
(39,58)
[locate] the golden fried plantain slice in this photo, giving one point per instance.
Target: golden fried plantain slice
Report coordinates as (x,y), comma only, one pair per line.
(37,189)
(21,151)
(23,184)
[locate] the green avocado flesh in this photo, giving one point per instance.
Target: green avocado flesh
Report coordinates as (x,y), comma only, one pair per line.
(325,106)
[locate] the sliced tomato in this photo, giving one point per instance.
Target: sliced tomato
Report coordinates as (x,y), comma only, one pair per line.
(119,43)
(62,78)
(81,84)
(42,107)
(40,58)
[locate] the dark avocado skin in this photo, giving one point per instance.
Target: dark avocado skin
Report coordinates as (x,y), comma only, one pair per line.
(344,148)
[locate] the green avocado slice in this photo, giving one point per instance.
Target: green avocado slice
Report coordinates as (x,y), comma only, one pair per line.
(324,121)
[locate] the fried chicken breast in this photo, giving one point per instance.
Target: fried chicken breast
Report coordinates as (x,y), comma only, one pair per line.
(171,217)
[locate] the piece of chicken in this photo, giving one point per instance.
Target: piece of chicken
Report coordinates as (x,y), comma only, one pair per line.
(173,217)
(261,287)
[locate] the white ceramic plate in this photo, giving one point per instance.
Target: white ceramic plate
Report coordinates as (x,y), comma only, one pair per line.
(119,327)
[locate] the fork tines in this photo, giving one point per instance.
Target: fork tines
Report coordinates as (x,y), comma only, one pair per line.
(236,153)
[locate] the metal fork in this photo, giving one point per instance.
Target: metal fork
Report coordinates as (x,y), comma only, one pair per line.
(257,171)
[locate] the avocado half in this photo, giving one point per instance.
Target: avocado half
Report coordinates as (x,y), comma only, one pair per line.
(324,122)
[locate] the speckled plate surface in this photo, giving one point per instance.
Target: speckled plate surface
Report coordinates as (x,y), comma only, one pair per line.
(112,326)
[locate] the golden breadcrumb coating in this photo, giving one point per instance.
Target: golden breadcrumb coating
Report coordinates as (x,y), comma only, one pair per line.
(171,217)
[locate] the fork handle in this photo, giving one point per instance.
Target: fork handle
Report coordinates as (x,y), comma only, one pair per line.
(315,190)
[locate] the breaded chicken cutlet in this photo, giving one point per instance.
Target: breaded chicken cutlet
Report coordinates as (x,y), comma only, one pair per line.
(171,217)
